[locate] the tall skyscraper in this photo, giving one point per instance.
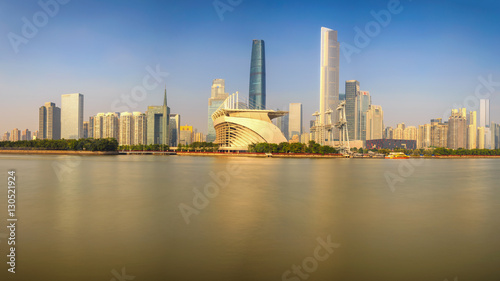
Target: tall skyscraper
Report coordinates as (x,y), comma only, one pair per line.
(15,135)
(295,120)
(329,80)
(49,122)
(472,131)
(72,116)
(91,127)
(158,119)
(374,122)
(351,96)
(85,129)
(257,91)
(216,99)
(439,133)
(175,127)
(457,130)
(111,126)
(98,126)
(363,102)
(484,113)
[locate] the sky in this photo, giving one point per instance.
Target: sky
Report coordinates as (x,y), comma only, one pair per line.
(429,57)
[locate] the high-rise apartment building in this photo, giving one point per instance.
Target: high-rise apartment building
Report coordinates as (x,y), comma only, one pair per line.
(72,116)
(85,129)
(472,131)
(374,122)
(158,120)
(439,133)
(484,113)
(26,135)
(257,89)
(329,80)
(49,122)
(495,135)
(91,127)
(140,124)
(480,138)
(6,136)
(457,130)
(424,136)
(410,133)
(15,135)
(99,125)
(295,120)
(111,126)
(126,129)
(216,99)
(351,97)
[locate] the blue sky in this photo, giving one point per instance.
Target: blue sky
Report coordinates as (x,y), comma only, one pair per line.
(426,61)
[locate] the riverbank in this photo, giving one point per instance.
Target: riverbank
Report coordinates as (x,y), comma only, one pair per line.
(57,152)
(262,155)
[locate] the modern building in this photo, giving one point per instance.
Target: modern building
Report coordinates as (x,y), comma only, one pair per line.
(218,96)
(410,133)
(257,89)
(391,144)
(389,133)
(49,122)
(15,135)
(91,127)
(126,129)
(85,129)
(98,125)
(175,128)
(295,120)
(140,124)
(424,136)
(111,126)
(495,135)
(329,82)
(237,128)
(374,122)
(158,119)
(472,130)
(351,97)
(72,116)
(480,138)
(439,133)
(6,136)
(26,135)
(363,102)
(457,130)
(186,135)
(199,137)
(282,123)
(484,113)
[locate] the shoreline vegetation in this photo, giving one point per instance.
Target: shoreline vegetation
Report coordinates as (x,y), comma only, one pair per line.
(282,150)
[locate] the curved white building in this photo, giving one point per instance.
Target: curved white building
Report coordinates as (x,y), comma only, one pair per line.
(238,127)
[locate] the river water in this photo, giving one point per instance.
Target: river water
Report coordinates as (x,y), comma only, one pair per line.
(216,218)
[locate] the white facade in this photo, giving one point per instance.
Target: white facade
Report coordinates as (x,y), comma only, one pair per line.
(374,122)
(484,113)
(72,116)
(329,79)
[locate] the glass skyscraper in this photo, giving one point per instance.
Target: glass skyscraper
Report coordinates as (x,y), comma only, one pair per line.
(257,91)
(216,99)
(351,94)
(329,85)
(72,116)
(49,122)
(157,124)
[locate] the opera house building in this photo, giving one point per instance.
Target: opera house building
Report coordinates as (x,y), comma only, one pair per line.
(236,126)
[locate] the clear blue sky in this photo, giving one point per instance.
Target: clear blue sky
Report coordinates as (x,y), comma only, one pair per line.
(425,61)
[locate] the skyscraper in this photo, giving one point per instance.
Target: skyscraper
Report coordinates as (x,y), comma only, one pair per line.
(216,99)
(484,113)
(126,129)
(457,130)
(140,128)
(158,119)
(72,116)
(175,127)
(257,91)
(363,102)
(26,135)
(49,122)
(295,120)
(329,80)
(472,131)
(111,126)
(91,127)
(98,126)
(351,95)
(15,135)
(374,122)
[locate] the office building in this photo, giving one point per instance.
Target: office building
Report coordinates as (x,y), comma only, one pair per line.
(158,120)
(186,135)
(257,89)
(389,133)
(363,102)
(457,130)
(495,135)
(85,129)
(329,81)
(175,128)
(72,116)
(390,144)
(484,113)
(218,96)
(91,127)
(49,122)
(472,130)
(351,114)
(374,122)
(295,120)
(480,138)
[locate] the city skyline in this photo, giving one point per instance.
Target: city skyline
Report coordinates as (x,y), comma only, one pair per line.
(438,69)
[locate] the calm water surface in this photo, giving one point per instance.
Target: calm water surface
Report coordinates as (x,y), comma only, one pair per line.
(85,218)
